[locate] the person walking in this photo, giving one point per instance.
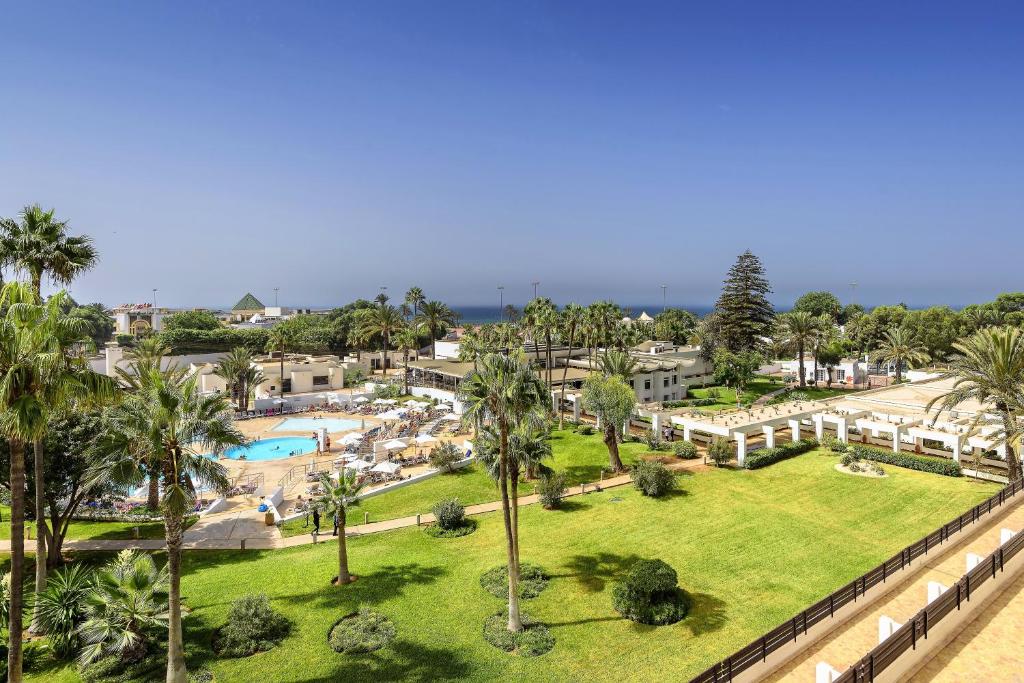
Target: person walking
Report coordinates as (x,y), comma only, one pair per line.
(316,523)
(335,524)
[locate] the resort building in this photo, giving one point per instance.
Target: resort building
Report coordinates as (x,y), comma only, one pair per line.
(851,371)
(246,308)
(303,373)
(140,319)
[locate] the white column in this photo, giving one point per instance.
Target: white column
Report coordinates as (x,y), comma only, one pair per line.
(598,421)
(656,423)
(686,432)
(819,427)
(576,409)
(825,673)
(843,429)
(769,436)
(973,560)
(794,428)
(897,436)
(741,447)
(554,402)
(958,443)
(935,589)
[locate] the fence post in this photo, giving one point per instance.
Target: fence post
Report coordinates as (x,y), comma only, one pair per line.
(831,605)
(926,623)
(913,634)
(958,595)
(764,649)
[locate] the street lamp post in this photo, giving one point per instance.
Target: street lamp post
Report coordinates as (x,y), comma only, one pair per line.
(664,290)
(501,303)
(275,296)
(535,283)
(154,297)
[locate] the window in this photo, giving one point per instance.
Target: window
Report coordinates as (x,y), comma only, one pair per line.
(286,385)
(632,384)
(647,385)
(320,380)
(675,380)
(664,383)
(821,375)
(840,375)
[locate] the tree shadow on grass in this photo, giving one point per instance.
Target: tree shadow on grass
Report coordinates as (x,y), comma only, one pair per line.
(581,474)
(402,660)
(388,582)
(572,505)
(593,572)
(706,613)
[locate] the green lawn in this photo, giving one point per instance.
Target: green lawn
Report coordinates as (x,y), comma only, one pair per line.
(810,394)
(79,530)
(579,457)
(752,548)
(727,397)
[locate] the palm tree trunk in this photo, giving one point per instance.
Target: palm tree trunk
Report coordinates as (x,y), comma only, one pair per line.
(1013,468)
(153,495)
(800,351)
(14,628)
(405,364)
(433,343)
(281,392)
(40,502)
(515,623)
(343,576)
(515,517)
(565,373)
(614,461)
(176,672)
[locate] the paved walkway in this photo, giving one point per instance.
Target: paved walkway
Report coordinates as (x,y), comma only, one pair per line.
(763,400)
(846,645)
(227,539)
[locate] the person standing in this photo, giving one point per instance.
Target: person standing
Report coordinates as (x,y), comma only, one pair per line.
(327,443)
(335,524)
(316,523)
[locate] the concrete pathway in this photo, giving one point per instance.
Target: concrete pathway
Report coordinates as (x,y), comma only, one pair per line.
(763,400)
(846,645)
(229,531)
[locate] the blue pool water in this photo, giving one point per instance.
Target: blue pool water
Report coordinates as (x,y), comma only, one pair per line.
(273,449)
(308,424)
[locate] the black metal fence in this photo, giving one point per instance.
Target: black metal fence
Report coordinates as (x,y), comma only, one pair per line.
(788,632)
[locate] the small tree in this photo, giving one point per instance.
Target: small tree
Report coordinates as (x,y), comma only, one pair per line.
(653,479)
(550,489)
(339,496)
(449,514)
(685,450)
(736,369)
(720,451)
(444,456)
(649,594)
(612,401)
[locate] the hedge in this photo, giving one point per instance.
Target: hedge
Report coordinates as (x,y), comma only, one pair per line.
(762,457)
(910,461)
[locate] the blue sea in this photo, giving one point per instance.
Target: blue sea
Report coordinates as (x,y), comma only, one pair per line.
(490,314)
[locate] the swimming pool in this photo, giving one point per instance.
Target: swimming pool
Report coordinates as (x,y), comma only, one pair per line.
(308,424)
(273,449)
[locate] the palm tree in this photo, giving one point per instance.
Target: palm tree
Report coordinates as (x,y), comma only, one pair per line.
(506,390)
(432,316)
(171,423)
(510,313)
(616,363)
(405,339)
(384,320)
(989,368)
(128,598)
(414,297)
(899,346)
(339,496)
(800,329)
(240,375)
(280,339)
(573,316)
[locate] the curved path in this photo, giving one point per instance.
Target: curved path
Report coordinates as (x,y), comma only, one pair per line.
(265,543)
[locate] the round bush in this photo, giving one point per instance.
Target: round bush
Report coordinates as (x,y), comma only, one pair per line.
(252,626)
(363,631)
(586,430)
(532,580)
(550,489)
(649,594)
(653,479)
(436,531)
(449,514)
(535,639)
(685,450)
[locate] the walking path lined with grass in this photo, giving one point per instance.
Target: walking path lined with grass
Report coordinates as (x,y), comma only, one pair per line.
(264,543)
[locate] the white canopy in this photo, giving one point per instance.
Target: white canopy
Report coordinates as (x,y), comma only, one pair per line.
(350,438)
(392,415)
(442,406)
(357,465)
(425,438)
(411,402)
(360,399)
(452,417)
(395,445)
(386,467)
(381,402)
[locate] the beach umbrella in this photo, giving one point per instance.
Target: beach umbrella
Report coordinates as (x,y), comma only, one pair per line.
(425,438)
(351,438)
(386,467)
(452,417)
(395,445)
(361,399)
(357,465)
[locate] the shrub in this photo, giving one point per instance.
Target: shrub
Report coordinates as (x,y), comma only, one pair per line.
(252,626)
(586,430)
(449,514)
(652,479)
(762,457)
(686,450)
(550,489)
(445,456)
(62,607)
(848,459)
(535,639)
(200,676)
(655,442)
(364,631)
(720,451)
(833,443)
(649,594)
(910,461)
(532,581)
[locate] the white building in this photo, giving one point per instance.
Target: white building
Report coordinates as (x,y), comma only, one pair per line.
(139,319)
(303,373)
(853,371)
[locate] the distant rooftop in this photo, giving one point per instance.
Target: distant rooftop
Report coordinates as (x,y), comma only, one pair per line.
(248,303)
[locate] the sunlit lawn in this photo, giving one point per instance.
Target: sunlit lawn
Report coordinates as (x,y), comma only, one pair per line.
(87,529)
(579,457)
(726,397)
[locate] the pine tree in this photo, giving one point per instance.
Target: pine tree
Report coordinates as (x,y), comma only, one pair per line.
(744,311)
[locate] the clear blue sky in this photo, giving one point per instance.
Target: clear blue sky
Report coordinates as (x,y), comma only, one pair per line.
(602,148)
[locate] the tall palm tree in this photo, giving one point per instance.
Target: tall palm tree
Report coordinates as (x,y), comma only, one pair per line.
(384,320)
(432,316)
(415,298)
(989,368)
(39,246)
(405,339)
(506,390)
(169,421)
(799,329)
(573,316)
(617,363)
(239,374)
(339,496)
(280,339)
(540,317)
(899,346)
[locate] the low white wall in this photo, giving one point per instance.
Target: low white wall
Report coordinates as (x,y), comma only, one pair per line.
(216,506)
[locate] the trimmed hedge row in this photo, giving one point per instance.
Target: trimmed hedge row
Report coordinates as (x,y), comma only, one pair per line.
(910,461)
(762,457)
